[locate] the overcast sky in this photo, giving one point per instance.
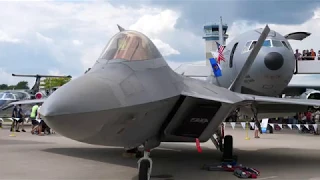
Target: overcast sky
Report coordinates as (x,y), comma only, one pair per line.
(62,38)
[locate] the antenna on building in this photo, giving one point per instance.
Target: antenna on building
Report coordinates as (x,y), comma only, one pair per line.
(221,41)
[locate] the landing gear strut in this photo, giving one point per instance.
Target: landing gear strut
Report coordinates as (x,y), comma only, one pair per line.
(224,144)
(145,166)
(134,152)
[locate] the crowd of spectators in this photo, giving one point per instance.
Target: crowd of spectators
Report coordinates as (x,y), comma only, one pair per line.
(307,55)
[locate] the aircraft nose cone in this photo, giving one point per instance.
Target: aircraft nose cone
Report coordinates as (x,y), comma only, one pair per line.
(75,110)
(82,95)
(273,61)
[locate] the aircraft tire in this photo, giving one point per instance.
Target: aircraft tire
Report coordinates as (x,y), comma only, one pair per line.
(228,147)
(143,170)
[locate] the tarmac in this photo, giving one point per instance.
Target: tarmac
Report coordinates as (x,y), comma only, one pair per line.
(286,154)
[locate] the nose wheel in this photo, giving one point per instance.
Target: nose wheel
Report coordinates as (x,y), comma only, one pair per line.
(145,166)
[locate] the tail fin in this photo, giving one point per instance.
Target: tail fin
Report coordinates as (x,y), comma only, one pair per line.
(216,69)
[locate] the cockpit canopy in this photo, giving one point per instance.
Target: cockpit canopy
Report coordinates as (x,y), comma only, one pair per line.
(130,46)
(7,96)
(267,43)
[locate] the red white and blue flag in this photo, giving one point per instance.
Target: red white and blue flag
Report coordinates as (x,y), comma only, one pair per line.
(220,52)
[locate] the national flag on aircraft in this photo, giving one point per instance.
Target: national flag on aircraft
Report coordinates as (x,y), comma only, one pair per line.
(215,67)
(220,51)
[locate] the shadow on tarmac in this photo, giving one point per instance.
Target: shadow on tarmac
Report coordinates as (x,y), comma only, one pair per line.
(184,161)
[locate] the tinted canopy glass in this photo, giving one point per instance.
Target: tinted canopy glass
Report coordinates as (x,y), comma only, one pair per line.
(131,46)
(277,43)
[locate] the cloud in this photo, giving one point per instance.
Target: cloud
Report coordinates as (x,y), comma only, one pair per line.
(155,25)
(4,37)
(43,38)
(77,42)
(55,72)
(311,25)
(194,14)
(158,23)
(69,36)
(165,49)
(7,78)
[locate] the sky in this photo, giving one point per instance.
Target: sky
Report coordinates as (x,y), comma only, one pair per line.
(66,37)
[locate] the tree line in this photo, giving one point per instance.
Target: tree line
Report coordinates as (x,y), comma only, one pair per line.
(19,85)
(47,83)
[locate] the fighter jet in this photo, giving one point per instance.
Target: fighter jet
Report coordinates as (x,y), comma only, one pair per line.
(131,97)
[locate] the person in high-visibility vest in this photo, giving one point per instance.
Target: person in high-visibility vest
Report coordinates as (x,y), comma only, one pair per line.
(33,116)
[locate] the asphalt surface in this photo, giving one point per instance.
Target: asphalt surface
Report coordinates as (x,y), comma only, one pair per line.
(279,156)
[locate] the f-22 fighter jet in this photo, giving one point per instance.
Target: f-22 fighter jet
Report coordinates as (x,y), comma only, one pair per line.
(132,98)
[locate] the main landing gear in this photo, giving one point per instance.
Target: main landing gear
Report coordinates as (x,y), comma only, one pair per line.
(145,166)
(224,144)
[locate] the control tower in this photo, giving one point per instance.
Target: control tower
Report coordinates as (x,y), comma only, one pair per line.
(212,35)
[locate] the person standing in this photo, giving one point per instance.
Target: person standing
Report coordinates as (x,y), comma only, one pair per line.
(40,122)
(20,119)
(297,55)
(33,117)
(13,116)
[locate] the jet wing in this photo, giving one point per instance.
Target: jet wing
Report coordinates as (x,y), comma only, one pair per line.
(31,101)
(297,36)
(264,105)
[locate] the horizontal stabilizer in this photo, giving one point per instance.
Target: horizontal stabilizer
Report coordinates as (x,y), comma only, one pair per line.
(38,75)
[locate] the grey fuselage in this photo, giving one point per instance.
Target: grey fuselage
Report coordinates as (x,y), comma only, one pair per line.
(132,96)
(271,71)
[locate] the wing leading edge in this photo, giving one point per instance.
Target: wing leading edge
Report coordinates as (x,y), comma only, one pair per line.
(266,105)
(31,101)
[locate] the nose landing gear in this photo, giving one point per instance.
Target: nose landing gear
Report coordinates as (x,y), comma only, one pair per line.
(145,166)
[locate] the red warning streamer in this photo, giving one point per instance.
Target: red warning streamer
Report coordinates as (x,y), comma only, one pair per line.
(198,145)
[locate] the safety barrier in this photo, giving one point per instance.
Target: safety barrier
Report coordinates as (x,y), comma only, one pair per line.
(252,125)
(307,67)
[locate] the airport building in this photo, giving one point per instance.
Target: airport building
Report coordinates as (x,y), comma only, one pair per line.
(211,36)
